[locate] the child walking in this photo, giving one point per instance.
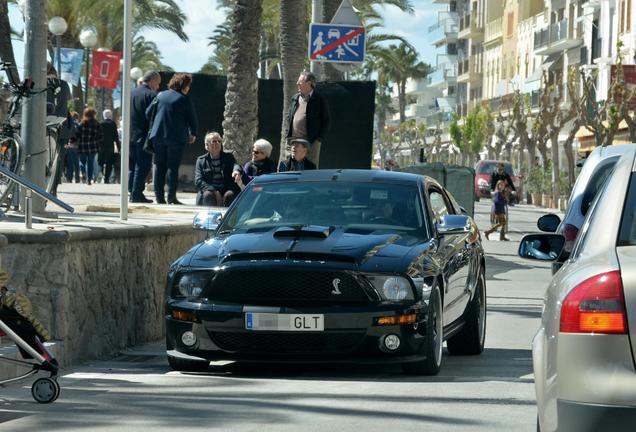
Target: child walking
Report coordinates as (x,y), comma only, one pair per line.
(499,209)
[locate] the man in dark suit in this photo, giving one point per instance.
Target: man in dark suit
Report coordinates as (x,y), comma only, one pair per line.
(140,161)
(174,125)
(110,145)
(308,117)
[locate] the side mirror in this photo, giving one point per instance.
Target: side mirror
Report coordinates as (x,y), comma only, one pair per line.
(454,224)
(542,247)
(207,220)
(548,223)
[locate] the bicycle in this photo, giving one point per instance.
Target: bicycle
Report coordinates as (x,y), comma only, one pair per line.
(11,147)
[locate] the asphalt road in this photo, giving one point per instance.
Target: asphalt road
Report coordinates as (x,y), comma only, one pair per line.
(491,392)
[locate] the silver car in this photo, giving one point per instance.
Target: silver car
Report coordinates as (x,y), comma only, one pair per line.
(584,351)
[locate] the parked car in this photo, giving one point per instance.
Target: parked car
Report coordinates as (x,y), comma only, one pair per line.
(583,353)
(483,175)
(596,169)
(331,266)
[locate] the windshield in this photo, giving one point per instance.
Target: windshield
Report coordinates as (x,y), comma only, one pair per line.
(489,167)
(365,207)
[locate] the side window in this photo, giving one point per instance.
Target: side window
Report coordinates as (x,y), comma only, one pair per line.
(438,205)
(580,243)
(627,233)
(596,181)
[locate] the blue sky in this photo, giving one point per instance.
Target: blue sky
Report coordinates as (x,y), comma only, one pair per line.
(203,17)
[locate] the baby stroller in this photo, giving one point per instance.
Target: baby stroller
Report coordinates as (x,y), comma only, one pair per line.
(19,325)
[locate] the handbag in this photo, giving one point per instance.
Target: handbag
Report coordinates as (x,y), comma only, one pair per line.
(148,147)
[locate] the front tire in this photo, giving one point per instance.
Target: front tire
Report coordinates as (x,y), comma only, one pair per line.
(471,338)
(434,340)
(185,365)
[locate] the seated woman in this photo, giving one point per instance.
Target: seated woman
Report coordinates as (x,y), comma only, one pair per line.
(215,174)
(260,163)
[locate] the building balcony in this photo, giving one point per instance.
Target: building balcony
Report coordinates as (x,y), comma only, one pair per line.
(493,33)
(470,27)
(556,38)
(416,87)
(442,76)
(468,71)
(445,31)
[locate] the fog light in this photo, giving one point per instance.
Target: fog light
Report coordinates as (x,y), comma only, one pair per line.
(188,338)
(391,342)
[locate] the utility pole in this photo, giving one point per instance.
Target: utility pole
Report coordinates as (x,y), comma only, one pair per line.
(316,17)
(33,130)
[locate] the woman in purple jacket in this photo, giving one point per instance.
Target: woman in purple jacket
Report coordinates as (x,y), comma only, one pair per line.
(260,163)
(499,209)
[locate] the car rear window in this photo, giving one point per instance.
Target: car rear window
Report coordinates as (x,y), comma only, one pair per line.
(627,233)
(596,181)
(489,167)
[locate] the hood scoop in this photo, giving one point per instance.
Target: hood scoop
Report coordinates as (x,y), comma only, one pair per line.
(304,231)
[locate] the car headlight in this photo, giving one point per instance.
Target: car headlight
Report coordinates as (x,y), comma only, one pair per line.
(191,284)
(393,288)
(483,183)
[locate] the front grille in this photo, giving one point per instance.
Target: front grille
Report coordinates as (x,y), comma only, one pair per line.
(288,343)
(284,287)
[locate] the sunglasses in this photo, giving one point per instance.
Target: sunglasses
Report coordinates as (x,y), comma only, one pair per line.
(257,152)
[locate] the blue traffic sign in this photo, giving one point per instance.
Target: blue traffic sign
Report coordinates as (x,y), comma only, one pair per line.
(336,43)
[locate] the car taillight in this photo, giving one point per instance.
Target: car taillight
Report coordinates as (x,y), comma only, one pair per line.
(570,232)
(596,305)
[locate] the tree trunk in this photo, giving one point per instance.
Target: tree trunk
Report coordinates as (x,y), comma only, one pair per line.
(240,119)
(556,171)
(569,155)
(292,49)
(402,100)
(6,49)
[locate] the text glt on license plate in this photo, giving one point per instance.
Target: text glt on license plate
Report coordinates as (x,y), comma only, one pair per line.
(284,322)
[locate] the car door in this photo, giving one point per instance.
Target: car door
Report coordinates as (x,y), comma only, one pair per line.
(455,252)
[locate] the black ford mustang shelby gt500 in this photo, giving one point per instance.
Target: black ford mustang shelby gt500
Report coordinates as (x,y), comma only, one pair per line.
(330,266)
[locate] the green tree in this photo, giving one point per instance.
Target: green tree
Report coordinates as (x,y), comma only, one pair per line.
(404,67)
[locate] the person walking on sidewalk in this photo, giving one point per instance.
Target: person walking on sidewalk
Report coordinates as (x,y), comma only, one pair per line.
(89,139)
(110,145)
(140,161)
(308,117)
(174,125)
(499,209)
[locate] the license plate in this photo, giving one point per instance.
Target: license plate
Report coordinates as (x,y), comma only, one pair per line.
(284,322)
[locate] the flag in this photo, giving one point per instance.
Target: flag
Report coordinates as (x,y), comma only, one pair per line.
(117,95)
(105,69)
(71,64)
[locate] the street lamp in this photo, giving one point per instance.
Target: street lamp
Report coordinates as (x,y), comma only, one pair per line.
(135,74)
(88,39)
(58,26)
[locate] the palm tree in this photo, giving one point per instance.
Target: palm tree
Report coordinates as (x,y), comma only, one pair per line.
(405,65)
(293,27)
(241,97)
(146,55)
(6,49)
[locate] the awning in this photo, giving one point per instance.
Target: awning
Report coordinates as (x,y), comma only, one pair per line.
(552,61)
(584,132)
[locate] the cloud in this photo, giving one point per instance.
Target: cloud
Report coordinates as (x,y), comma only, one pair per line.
(203,18)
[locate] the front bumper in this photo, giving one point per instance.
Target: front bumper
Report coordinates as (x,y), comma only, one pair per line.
(349,335)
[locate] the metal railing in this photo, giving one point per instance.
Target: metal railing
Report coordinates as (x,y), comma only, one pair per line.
(31,188)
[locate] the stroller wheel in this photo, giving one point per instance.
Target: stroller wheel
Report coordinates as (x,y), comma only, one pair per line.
(45,390)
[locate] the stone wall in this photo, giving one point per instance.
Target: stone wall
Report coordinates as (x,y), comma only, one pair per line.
(100,291)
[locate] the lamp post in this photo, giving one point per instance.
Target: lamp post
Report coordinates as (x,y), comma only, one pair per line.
(135,74)
(88,39)
(58,26)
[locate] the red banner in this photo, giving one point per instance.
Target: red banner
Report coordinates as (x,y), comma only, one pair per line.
(105,69)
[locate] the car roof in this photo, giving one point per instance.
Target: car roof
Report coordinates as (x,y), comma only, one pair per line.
(347,175)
